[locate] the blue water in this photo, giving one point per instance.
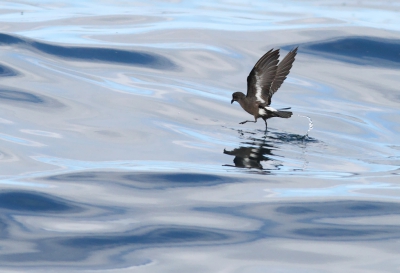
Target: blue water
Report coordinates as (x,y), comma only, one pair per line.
(120,150)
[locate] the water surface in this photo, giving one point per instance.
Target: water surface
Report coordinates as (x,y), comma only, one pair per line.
(120,150)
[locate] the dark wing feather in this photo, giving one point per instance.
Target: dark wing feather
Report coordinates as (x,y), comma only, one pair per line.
(262,75)
(283,70)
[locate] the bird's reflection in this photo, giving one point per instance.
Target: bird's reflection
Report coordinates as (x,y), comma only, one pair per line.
(252,152)
(258,152)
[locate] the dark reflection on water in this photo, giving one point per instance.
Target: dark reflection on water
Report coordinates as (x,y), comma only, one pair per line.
(330,220)
(255,150)
(80,247)
(338,220)
(146,180)
(130,57)
(14,95)
(157,236)
(81,176)
(24,99)
(365,207)
(323,221)
(23,201)
(6,71)
(362,50)
(293,210)
(3,228)
(178,179)
(334,232)
(342,208)
(291,138)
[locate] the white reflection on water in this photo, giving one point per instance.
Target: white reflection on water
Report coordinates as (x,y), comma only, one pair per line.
(132,165)
(348,190)
(21,141)
(41,133)
(216,15)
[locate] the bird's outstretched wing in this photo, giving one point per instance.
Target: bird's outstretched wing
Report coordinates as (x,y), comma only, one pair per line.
(261,77)
(283,70)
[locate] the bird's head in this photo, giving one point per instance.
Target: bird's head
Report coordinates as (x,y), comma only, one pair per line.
(237,96)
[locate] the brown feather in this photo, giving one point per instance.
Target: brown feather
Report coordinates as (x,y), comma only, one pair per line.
(283,70)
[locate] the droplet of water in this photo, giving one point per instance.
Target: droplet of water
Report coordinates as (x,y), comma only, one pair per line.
(310,124)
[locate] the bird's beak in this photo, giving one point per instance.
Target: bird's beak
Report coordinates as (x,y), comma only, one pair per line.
(232,101)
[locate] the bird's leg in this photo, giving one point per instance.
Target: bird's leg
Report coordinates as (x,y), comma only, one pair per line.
(243,122)
(266,125)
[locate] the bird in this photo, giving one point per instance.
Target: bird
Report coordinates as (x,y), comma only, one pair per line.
(263,81)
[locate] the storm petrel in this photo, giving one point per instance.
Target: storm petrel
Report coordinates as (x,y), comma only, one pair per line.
(263,81)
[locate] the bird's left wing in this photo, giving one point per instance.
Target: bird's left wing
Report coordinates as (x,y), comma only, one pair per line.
(262,75)
(283,70)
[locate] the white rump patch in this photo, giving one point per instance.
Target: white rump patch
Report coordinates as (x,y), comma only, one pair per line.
(259,89)
(262,112)
(271,109)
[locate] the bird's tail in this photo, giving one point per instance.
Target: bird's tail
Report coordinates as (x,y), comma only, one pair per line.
(283,114)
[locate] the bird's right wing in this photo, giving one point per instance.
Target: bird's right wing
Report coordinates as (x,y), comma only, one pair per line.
(262,75)
(283,70)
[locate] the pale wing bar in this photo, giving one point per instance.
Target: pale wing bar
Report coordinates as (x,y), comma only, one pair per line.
(262,75)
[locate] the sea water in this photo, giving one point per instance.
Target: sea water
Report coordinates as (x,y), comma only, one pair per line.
(120,150)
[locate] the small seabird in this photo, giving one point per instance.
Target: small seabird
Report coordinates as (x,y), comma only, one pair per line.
(263,81)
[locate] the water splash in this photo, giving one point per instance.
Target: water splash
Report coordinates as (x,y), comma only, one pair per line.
(310,124)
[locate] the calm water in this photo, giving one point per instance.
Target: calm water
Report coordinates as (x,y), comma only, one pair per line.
(120,150)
